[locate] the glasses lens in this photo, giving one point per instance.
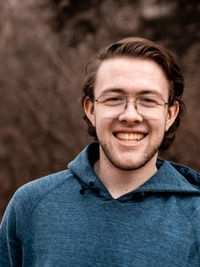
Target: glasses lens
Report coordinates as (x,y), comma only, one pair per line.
(112,105)
(110,100)
(150,106)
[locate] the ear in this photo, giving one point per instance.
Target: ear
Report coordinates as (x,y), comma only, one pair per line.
(89,110)
(171,115)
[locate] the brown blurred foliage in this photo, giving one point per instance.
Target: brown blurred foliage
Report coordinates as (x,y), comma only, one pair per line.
(44,46)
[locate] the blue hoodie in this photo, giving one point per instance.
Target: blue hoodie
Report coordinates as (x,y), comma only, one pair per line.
(70,219)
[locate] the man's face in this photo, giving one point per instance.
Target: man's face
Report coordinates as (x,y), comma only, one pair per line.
(129,140)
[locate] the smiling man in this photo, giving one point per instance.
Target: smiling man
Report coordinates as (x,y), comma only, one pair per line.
(131,114)
(118,204)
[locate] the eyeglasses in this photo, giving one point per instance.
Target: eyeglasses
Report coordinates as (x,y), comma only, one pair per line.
(148,106)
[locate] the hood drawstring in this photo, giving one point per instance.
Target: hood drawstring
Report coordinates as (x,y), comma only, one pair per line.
(90,186)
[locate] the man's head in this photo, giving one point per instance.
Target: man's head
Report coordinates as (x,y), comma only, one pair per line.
(138,48)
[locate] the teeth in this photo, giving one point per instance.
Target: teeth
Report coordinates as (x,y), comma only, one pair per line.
(130,136)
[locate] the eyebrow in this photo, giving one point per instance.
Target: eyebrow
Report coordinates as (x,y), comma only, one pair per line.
(114,90)
(150,92)
(121,91)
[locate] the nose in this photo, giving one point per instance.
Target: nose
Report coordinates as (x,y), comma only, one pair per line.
(130,113)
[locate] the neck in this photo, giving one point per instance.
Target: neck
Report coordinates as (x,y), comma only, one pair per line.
(119,182)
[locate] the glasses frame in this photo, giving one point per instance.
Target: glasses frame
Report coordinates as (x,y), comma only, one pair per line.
(125,97)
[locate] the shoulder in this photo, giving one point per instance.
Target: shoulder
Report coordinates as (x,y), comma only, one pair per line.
(29,195)
(33,191)
(47,182)
(184,183)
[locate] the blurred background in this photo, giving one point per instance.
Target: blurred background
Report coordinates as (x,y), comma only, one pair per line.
(44,46)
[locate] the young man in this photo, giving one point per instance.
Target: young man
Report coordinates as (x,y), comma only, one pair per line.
(117,204)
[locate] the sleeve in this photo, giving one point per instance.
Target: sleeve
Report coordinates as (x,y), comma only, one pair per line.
(10,243)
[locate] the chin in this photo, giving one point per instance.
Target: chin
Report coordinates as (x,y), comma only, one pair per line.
(128,166)
(130,161)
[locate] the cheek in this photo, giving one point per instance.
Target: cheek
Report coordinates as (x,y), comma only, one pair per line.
(162,122)
(100,124)
(157,128)
(103,126)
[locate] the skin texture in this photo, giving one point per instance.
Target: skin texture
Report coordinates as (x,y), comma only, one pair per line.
(126,164)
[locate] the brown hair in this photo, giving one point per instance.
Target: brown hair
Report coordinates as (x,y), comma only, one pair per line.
(139,48)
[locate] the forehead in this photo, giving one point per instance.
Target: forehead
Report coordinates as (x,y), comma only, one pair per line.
(131,76)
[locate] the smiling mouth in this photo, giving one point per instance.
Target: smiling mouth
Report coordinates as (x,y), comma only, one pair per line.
(130,137)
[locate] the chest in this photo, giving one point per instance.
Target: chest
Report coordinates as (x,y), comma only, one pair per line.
(110,234)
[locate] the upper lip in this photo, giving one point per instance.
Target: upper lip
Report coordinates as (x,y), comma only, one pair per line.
(129,131)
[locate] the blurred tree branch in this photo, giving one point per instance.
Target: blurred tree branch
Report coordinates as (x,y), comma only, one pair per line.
(43,49)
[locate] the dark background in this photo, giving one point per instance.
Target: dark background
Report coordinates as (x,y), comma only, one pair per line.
(44,45)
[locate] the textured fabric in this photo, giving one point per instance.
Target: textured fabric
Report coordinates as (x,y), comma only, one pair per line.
(70,219)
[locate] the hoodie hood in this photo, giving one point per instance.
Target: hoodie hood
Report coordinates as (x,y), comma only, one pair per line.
(170,177)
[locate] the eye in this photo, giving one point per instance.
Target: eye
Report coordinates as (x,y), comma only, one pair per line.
(149,101)
(111,100)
